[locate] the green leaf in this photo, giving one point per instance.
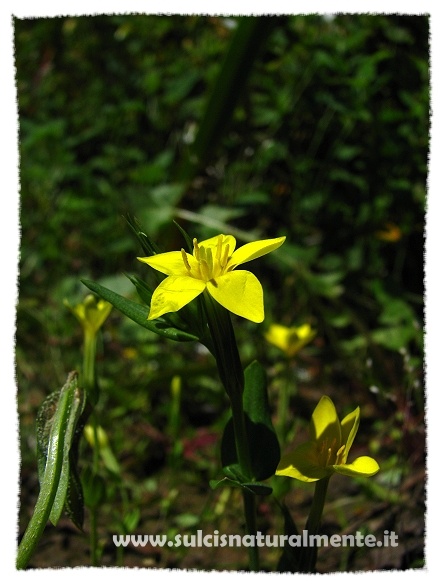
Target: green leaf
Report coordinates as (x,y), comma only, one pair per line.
(326,284)
(254,488)
(145,293)
(44,421)
(69,491)
(186,237)
(138,313)
(394,338)
(258,488)
(235,473)
(148,246)
(263,442)
(58,430)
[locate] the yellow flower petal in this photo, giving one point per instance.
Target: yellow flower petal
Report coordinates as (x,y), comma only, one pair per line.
(303,463)
(254,250)
(173,293)
(168,263)
(239,292)
(349,427)
(325,426)
(361,467)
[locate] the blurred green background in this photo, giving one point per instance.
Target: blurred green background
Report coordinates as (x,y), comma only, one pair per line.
(311,127)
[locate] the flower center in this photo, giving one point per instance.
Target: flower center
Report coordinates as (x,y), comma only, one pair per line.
(212,261)
(329,455)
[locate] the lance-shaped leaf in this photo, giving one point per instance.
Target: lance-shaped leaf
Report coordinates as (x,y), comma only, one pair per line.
(58,428)
(138,313)
(69,490)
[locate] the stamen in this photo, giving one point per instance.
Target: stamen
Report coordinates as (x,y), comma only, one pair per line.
(329,456)
(219,248)
(195,249)
(186,261)
(340,453)
(204,268)
(225,256)
(209,261)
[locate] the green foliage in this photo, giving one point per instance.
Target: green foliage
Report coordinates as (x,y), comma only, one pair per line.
(328,144)
(263,443)
(324,140)
(138,313)
(58,428)
(59,425)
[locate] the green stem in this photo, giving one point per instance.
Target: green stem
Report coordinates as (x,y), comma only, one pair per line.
(38,521)
(89,366)
(90,384)
(241,441)
(313,524)
(96,447)
(251,527)
(36,525)
(93,537)
(120,556)
(283,408)
(225,348)
(231,373)
(232,376)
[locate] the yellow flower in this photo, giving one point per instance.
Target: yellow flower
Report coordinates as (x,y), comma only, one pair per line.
(91,435)
(211,269)
(91,313)
(290,340)
(327,451)
(390,233)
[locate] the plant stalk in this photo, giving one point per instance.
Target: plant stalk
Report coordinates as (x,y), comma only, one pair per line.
(313,523)
(232,376)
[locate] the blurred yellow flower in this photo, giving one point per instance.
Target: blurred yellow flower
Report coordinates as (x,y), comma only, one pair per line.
(290,340)
(390,233)
(328,448)
(129,353)
(211,268)
(91,313)
(91,435)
